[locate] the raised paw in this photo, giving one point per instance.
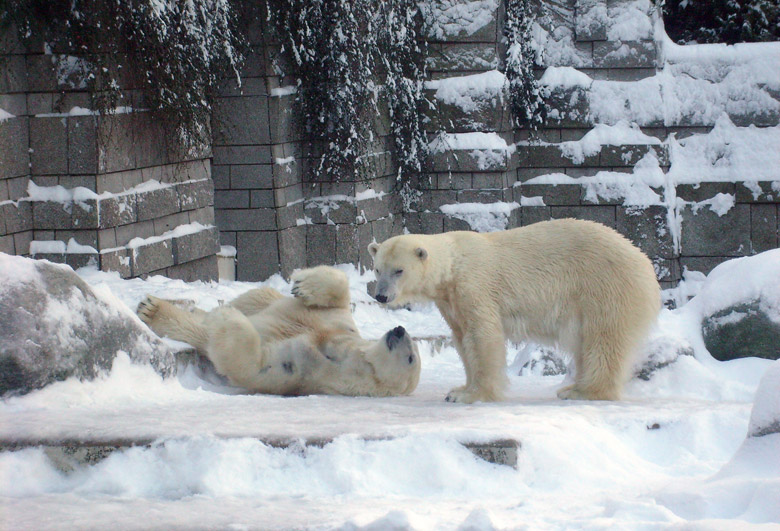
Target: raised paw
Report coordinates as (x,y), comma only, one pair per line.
(147,309)
(321,286)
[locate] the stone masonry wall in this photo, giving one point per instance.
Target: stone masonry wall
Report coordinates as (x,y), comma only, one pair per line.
(80,188)
(142,210)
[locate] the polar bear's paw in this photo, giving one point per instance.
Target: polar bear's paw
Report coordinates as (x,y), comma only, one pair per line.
(147,309)
(322,286)
(469,395)
(573,392)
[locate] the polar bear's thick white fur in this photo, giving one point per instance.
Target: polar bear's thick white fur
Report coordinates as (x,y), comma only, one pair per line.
(305,344)
(576,285)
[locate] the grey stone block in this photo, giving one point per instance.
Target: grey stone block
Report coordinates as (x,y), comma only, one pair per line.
(488,114)
(704,233)
(434,199)
(284,123)
(49,145)
(292,249)
(758,192)
(552,194)
(590,20)
(82,144)
(568,107)
(77,261)
(22,242)
(258,255)
(255,176)
(116,143)
(170,222)
(197,245)
(702,264)
(600,214)
(703,191)
(118,210)
(763,227)
(469,161)
(231,199)
(634,54)
(261,199)
(13,75)
(458,32)
(15,104)
(256,219)
(373,209)
(459,57)
(630,155)
(195,194)
(74,181)
(157,203)
(17,187)
(106,239)
(151,257)
(549,156)
(347,248)
(18,217)
(365,237)
(152,145)
(220,175)
(454,224)
(425,222)
(83,237)
(7,244)
(40,103)
(204,216)
(117,260)
(50,215)
(126,233)
(289,216)
(203,269)
(250,86)
(382,229)
(85,214)
(647,228)
(454,181)
(241,120)
(480,196)
(490,181)
(320,245)
(531,215)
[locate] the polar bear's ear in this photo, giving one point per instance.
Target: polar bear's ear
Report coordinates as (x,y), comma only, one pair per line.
(373,247)
(421,253)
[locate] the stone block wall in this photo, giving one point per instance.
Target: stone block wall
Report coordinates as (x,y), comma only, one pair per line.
(132,205)
(267,203)
(82,188)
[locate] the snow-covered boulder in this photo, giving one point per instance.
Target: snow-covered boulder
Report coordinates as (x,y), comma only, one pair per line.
(765,418)
(739,308)
(54,326)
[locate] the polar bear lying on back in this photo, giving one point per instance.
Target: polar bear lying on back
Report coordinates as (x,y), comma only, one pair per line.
(574,284)
(306,344)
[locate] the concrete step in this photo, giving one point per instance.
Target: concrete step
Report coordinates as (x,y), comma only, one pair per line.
(68,455)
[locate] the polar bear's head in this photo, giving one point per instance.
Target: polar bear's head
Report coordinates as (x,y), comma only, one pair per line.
(400,265)
(396,361)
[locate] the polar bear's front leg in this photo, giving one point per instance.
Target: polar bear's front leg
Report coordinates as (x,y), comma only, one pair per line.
(483,352)
(167,319)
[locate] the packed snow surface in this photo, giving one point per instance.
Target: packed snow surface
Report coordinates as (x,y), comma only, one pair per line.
(672,454)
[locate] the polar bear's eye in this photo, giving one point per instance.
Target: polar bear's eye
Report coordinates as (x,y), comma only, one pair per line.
(398,272)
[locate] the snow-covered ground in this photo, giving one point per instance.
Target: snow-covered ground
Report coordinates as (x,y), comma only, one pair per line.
(669,455)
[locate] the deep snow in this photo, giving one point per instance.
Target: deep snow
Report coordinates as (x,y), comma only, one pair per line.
(664,457)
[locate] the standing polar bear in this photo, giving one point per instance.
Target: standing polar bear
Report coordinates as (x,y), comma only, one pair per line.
(574,284)
(306,344)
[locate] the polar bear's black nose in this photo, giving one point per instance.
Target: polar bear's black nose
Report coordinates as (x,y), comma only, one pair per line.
(394,336)
(381,298)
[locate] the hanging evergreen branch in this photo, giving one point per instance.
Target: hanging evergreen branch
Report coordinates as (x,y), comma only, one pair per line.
(349,58)
(525,97)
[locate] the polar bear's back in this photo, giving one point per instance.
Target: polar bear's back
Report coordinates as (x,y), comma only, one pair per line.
(560,268)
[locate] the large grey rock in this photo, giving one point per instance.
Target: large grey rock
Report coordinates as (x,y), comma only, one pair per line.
(53,326)
(742,331)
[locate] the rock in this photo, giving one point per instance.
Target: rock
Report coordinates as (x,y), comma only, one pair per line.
(539,360)
(765,417)
(741,331)
(661,352)
(54,326)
